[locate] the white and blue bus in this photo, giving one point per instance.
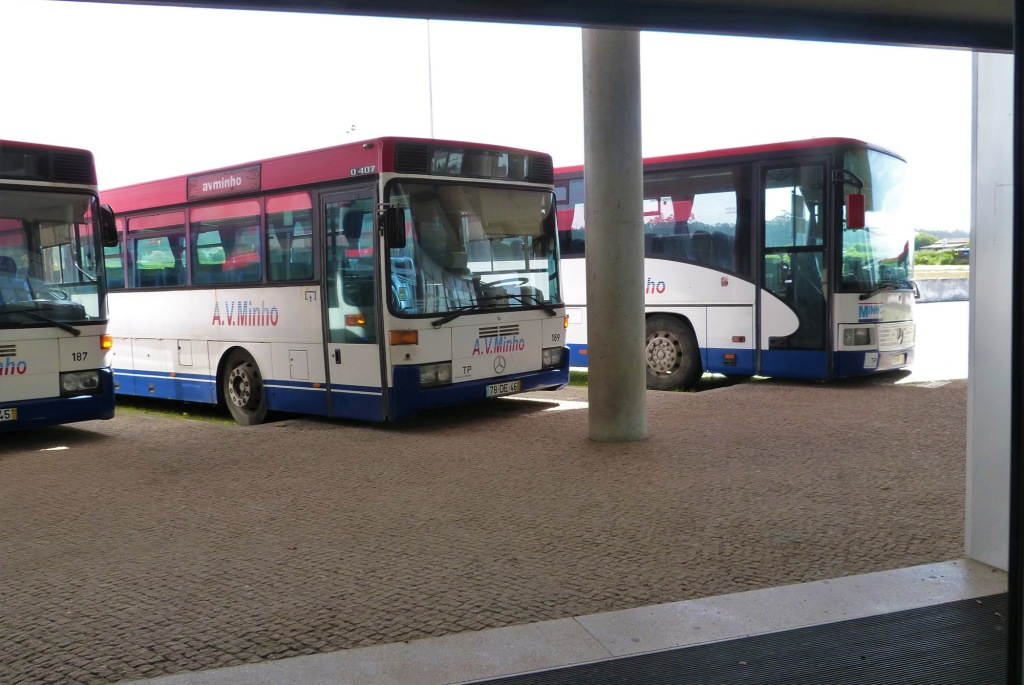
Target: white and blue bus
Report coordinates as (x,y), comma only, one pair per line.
(54,345)
(792,260)
(365,281)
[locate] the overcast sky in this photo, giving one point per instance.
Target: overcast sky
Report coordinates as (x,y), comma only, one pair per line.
(156,91)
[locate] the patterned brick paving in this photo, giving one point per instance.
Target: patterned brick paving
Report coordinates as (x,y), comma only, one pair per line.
(150,545)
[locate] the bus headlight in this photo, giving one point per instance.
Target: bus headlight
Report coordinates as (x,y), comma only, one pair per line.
(856,336)
(78,382)
(550,358)
(435,374)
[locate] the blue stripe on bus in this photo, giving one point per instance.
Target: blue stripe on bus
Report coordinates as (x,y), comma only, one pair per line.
(408,398)
(53,411)
(302,397)
(806,364)
(714,361)
(577,355)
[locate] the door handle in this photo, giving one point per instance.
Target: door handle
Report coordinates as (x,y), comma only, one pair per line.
(337,355)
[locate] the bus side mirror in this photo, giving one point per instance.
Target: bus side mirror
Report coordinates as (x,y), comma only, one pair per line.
(108,227)
(394,226)
(855,211)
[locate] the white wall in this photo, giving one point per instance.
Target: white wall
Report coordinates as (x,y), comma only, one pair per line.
(991,276)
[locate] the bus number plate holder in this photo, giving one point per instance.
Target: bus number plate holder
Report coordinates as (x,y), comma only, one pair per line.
(506,388)
(9,414)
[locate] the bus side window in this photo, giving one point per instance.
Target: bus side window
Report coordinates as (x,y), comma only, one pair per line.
(155,248)
(226,243)
(114,259)
(289,237)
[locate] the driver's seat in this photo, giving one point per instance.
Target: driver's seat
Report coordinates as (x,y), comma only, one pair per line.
(12,288)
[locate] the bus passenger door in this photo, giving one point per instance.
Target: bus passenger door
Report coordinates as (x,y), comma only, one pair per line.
(792,311)
(352,305)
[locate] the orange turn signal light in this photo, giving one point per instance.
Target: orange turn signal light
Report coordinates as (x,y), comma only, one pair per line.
(106,342)
(565,321)
(405,337)
(355,320)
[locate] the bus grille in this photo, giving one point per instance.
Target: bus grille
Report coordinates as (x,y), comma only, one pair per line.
(511,329)
(895,337)
(541,169)
(412,158)
(71,167)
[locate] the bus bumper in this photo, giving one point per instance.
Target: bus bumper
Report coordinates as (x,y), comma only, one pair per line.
(407,397)
(851,364)
(53,411)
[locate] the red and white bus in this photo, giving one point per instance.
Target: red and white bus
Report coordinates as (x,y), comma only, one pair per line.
(791,260)
(367,281)
(54,346)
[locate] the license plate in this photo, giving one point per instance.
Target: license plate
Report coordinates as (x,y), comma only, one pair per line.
(506,388)
(9,414)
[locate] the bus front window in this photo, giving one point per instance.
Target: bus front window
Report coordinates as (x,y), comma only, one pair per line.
(473,247)
(881,254)
(49,258)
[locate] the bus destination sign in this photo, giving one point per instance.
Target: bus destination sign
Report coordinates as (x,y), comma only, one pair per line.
(227,182)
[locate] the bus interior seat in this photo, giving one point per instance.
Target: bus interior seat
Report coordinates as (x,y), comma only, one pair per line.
(700,241)
(722,251)
(12,288)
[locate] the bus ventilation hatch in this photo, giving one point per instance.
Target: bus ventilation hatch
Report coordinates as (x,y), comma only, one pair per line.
(541,169)
(72,168)
(411,158)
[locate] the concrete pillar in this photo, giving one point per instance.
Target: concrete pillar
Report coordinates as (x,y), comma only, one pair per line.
(990,344)
(613,206)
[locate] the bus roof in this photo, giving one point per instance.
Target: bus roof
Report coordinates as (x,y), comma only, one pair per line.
(351,160)
(751,150)
(46,163)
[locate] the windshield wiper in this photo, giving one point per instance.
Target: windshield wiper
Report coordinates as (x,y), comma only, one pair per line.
(548,309)
(456,313)
(886,286)
(32,314)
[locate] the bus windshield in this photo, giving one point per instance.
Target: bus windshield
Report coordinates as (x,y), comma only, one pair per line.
(881,254)
(473,247)
(49,259)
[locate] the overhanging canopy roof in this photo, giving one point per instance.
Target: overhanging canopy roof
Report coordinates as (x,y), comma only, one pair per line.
(985,25)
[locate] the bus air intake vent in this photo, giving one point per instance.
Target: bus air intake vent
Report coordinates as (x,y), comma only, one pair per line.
(498,331)
(8,350)
(541,169)
(69,167)
(412,158)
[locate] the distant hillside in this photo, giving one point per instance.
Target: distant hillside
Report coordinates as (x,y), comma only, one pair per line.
(939,235)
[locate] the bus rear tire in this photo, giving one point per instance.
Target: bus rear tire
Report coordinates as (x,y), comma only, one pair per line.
(242,388)
(673,358)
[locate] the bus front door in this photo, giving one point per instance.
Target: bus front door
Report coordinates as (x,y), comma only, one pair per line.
(793,294)
(351,303)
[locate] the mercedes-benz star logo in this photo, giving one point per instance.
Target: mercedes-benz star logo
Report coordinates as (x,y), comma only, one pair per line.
(499,364)
(899,336)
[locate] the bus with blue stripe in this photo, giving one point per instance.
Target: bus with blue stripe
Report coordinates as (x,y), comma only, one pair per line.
(365,281)
(54,345)
(790,260)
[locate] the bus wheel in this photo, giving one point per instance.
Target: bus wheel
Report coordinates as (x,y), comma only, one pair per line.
(243,389)
(673,358)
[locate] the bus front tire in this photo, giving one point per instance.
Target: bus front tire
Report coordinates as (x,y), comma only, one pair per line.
(243,389)
(673,358)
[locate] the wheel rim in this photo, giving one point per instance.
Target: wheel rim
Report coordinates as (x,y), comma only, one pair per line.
(242,387)
(664,353)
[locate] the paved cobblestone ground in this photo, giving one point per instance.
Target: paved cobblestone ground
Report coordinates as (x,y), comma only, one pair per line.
(150,545)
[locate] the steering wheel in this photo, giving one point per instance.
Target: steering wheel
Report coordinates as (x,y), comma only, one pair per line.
(506,281)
